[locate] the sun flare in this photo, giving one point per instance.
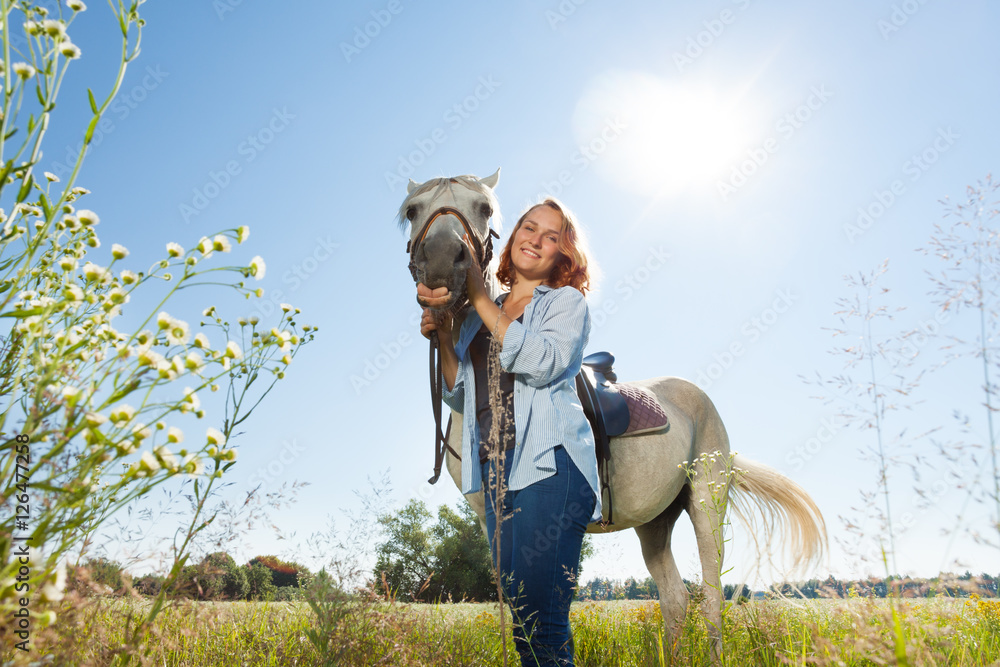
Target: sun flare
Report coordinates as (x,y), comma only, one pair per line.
(667,137)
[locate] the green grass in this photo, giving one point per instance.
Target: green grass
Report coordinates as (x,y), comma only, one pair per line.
(835,632)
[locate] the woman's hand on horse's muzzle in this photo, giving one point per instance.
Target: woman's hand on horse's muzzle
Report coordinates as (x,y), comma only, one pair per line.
(435,320)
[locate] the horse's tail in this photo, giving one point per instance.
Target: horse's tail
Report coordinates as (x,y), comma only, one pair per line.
(785,508)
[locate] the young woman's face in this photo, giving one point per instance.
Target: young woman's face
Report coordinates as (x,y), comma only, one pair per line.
(536,243)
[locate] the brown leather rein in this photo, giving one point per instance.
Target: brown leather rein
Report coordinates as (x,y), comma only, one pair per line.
(484,255)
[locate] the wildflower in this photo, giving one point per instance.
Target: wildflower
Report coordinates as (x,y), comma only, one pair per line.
(166,370)
(68,264)
(193,361)
(73,293)
(69,49)
(93,241)
(129,277)
(192,465)
(148,462)
(287,359)
(78,191)
(257,267)
(53,28)
(50,177)
(94,273)
(221,243)
(242,233)
(32,28)
(178,332)
(87,218)
(144,338)
(174,249)
(24,70)
(214,436)
(52,590)
(205,246)
(208,312)
(228,454)
(76,5)
(165,457)
(119,251)
(95,419)
(163,320)
(150,358)
(285,307)
(201,341)
(233,350)
(254,320)
(174,434)
(191,398)
(140,432)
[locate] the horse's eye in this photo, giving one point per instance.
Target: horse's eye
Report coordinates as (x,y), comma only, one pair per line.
(487,211)
(411,212)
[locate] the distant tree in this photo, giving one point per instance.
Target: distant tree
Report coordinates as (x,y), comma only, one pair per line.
(283,573)
(260,586)
(235,585)
(461,557)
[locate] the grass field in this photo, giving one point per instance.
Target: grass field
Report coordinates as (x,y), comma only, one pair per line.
(825,632)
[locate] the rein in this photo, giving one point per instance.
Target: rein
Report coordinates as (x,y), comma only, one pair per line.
(484,255)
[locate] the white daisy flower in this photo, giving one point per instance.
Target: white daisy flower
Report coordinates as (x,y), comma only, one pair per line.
(163,320)
(50,177)
(201,341)
(174,434)
(94,273)
(178,332)
(205,246)
(129,277)
(214,436)
(233,350)
(174,249)
(194,361)
(149,462)
(24,70)
(73,293)
(221,243)
(192,465)
(69,49)
(119,251)
(68,264)
(87,218)
(242,233)
(53,28)
(123,413)
(257,267)
(76,5)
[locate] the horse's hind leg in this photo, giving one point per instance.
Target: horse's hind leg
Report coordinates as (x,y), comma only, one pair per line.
(655,540)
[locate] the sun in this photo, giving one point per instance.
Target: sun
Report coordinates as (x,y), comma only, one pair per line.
(666,137)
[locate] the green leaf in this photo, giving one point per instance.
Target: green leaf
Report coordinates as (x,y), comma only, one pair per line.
(93,102)
(20,314)
(31,123)
(90,130)
(26,188)
(41,100)
(10,134)
(46,205)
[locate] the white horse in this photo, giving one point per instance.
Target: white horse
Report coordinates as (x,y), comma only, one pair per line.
(649,487)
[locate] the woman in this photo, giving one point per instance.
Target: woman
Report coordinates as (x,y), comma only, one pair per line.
(549,465)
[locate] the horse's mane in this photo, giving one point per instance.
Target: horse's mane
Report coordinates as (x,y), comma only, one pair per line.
(440,184)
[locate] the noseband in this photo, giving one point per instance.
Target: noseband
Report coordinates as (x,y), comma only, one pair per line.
(484,255)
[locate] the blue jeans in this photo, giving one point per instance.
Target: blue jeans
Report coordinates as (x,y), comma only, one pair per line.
(540,541)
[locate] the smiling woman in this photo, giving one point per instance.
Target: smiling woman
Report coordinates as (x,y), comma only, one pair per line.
(675,137)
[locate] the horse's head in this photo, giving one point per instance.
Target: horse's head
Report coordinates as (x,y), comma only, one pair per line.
(439,213)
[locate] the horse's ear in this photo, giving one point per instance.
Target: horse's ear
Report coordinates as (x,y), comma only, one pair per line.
(491,181)
(411,186)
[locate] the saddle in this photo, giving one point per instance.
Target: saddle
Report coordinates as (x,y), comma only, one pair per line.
(614,410)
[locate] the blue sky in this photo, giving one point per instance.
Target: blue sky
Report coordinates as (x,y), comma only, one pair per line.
(737,140)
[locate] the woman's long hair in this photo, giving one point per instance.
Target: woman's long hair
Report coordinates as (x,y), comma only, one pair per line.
(571,266)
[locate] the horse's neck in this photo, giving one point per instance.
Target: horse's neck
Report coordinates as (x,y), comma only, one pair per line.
(493,288)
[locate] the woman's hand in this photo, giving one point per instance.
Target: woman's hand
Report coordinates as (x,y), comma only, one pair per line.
(475,285)
(436,320)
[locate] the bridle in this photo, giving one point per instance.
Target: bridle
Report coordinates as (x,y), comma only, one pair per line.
(484,253)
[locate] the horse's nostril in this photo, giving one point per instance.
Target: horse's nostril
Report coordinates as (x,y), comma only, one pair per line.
(460,256)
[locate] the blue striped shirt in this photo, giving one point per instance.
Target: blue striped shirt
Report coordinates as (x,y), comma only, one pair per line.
(545,354)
